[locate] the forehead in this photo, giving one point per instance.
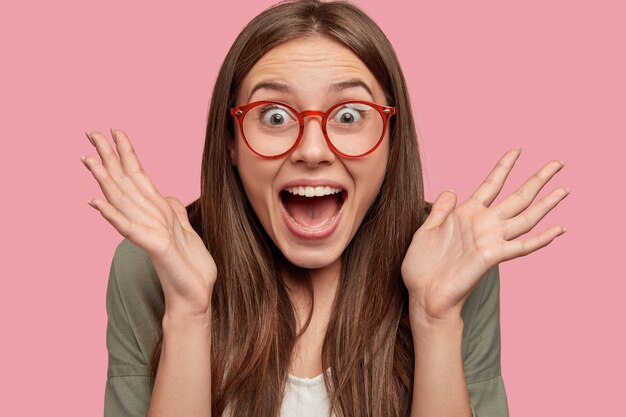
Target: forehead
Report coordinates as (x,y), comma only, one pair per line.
(309,68)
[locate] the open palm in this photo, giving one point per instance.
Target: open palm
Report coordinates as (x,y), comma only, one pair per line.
(455,246)
(157,224)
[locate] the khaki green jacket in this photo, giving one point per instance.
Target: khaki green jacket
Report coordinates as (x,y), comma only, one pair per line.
(134,302)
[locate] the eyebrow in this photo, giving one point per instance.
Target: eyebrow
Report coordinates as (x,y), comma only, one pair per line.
(353,83)
(338,86)
(271,85)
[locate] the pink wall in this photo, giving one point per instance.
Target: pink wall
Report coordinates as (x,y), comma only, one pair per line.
(484,76)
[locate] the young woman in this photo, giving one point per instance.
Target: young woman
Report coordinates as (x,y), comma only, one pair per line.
(310,276)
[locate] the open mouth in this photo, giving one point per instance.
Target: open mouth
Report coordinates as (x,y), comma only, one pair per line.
(313,208)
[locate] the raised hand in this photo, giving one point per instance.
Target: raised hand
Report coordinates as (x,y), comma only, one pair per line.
(455,246)
(157,224)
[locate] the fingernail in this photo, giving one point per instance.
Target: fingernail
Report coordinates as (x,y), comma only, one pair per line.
(113,135)
(564,229)
(567,190)
(82,158)
(91,204)
(562,163)
(90,139)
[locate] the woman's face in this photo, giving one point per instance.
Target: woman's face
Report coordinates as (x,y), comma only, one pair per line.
(311,73)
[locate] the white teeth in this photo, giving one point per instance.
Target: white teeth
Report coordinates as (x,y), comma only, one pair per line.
(313,191)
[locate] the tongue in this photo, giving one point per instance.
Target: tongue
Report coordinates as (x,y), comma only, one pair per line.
(311,212)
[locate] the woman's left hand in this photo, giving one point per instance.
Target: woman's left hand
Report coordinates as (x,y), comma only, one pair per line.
(456,246)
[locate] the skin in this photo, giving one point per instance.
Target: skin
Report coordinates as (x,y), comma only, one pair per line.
(456,245)
(309,66)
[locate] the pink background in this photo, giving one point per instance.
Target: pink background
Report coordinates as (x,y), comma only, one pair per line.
(484,77)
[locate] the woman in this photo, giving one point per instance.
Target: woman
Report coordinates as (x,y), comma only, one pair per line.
(310,275)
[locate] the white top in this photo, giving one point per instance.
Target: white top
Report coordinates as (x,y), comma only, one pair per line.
(305,397)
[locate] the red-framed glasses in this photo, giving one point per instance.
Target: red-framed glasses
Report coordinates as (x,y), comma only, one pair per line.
(352,129)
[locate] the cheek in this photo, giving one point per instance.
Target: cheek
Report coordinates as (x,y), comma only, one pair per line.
(369,176)
(257,177)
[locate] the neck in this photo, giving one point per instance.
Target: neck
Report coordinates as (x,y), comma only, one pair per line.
(323,281)
(306,358)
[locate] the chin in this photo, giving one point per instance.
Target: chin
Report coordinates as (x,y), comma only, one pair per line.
(312,258)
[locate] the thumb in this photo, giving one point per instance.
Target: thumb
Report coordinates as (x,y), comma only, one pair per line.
(442,206)
(180,210)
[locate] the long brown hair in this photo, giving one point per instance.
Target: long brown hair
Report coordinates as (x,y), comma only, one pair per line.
(368,343)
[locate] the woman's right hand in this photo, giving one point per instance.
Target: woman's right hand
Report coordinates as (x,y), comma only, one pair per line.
(157,224)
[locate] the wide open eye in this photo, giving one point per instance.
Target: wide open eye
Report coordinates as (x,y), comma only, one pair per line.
(274,115)
(350,113)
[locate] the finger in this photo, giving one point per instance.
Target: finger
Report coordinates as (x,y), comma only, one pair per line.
(109,158)
(524,195)
(490,188)
(442,207)
(111,162)
(130,161)
(135,170)
(115,196)
(181,212)
(112,215)
(528,219)
(521,247)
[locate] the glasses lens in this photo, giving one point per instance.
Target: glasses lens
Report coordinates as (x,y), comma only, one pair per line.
(270,128)
(354,128)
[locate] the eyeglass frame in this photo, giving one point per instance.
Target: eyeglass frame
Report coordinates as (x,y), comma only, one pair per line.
(239,112)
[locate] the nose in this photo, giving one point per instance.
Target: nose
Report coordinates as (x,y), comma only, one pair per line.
(312,149)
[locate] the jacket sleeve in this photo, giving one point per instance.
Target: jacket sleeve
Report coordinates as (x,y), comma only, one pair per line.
(481,348)
(134,305)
